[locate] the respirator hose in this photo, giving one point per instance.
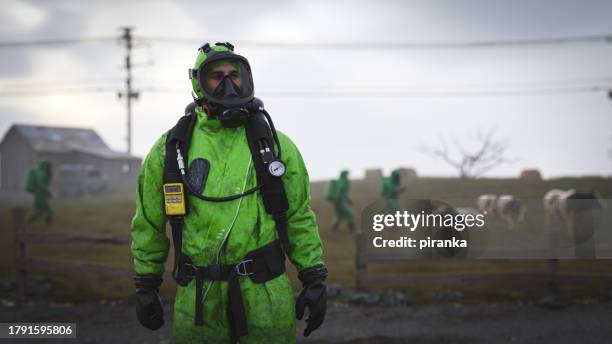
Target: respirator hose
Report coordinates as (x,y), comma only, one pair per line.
(183,169)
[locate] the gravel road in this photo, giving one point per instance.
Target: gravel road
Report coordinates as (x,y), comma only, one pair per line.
(488,323)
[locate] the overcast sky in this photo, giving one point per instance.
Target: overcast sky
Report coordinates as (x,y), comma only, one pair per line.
(344,108)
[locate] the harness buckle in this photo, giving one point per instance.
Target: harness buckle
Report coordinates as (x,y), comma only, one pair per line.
(241,268)
(190,269)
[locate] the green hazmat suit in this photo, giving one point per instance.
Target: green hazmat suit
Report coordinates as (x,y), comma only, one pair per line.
(243,224)
(391,189)
(342,202)
(39,179)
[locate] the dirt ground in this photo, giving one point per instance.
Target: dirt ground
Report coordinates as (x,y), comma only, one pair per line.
(489,323)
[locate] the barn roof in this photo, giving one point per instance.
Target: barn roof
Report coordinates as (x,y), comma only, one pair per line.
(67,140)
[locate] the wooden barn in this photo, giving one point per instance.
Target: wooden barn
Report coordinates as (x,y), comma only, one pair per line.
(83,163)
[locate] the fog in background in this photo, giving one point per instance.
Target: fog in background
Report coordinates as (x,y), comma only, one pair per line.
(344,108)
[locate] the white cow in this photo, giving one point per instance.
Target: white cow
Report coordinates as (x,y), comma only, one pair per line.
(510,209)
(562,206)
(487,203)
(504,207)
(555,205)
(467,211)
(573,217)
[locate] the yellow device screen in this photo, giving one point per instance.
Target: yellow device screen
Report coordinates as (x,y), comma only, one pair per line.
(174,199)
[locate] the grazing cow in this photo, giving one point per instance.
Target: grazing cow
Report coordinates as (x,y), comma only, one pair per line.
(555,204)
(487,203)
(467,211)
(510,209)
(504,207)
(578,212)
(562,206)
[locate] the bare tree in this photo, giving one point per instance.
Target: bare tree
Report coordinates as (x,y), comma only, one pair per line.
(489,154)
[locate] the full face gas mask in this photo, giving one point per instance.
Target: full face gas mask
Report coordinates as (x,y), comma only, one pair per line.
(223,83)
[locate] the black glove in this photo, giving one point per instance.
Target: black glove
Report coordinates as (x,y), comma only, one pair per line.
(313,296)
(149,309)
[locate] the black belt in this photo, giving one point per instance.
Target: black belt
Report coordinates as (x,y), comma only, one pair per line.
(261,265)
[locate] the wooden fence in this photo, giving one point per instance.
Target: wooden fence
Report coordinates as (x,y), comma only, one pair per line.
(365,279)
(24,264)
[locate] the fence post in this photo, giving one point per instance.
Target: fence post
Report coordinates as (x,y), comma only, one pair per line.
(19,228)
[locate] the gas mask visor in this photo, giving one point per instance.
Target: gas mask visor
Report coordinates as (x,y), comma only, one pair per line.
(226,79)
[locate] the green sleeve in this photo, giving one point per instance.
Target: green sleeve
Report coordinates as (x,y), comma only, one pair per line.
(149,241)
(307,248)
(343,188)
(383,187)
(34,181)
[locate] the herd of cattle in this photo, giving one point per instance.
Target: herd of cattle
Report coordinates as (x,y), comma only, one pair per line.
(560,206)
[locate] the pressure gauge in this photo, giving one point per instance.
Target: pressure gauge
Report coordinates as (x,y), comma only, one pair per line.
(277,168)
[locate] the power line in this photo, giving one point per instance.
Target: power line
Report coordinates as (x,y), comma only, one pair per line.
(55,41)
(532,83)
(524,83)
(377,45)
(370,90)
(406,93)
(56,91)
(337,93)
(35,84)
(392,93)
(370,45)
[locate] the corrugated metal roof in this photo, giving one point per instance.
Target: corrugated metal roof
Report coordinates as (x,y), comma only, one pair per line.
(67,140)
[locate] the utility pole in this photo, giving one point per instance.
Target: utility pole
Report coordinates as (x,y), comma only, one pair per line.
(129,93)
(610,149)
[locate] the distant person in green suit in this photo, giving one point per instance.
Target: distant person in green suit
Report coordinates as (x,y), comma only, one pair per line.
(341,201)
(39,179)
(391,189)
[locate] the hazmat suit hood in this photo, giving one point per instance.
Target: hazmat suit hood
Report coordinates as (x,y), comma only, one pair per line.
(231,88)
(45,165)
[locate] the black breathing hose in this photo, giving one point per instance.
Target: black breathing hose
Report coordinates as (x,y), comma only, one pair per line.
(182,168)
(274,135)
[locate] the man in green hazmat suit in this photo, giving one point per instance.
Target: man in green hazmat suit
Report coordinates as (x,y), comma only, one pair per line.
(342,202)
(391,189)
(39,179)
(228,287)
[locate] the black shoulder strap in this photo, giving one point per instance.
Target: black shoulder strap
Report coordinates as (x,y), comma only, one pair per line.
(273,190)
(181,133)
